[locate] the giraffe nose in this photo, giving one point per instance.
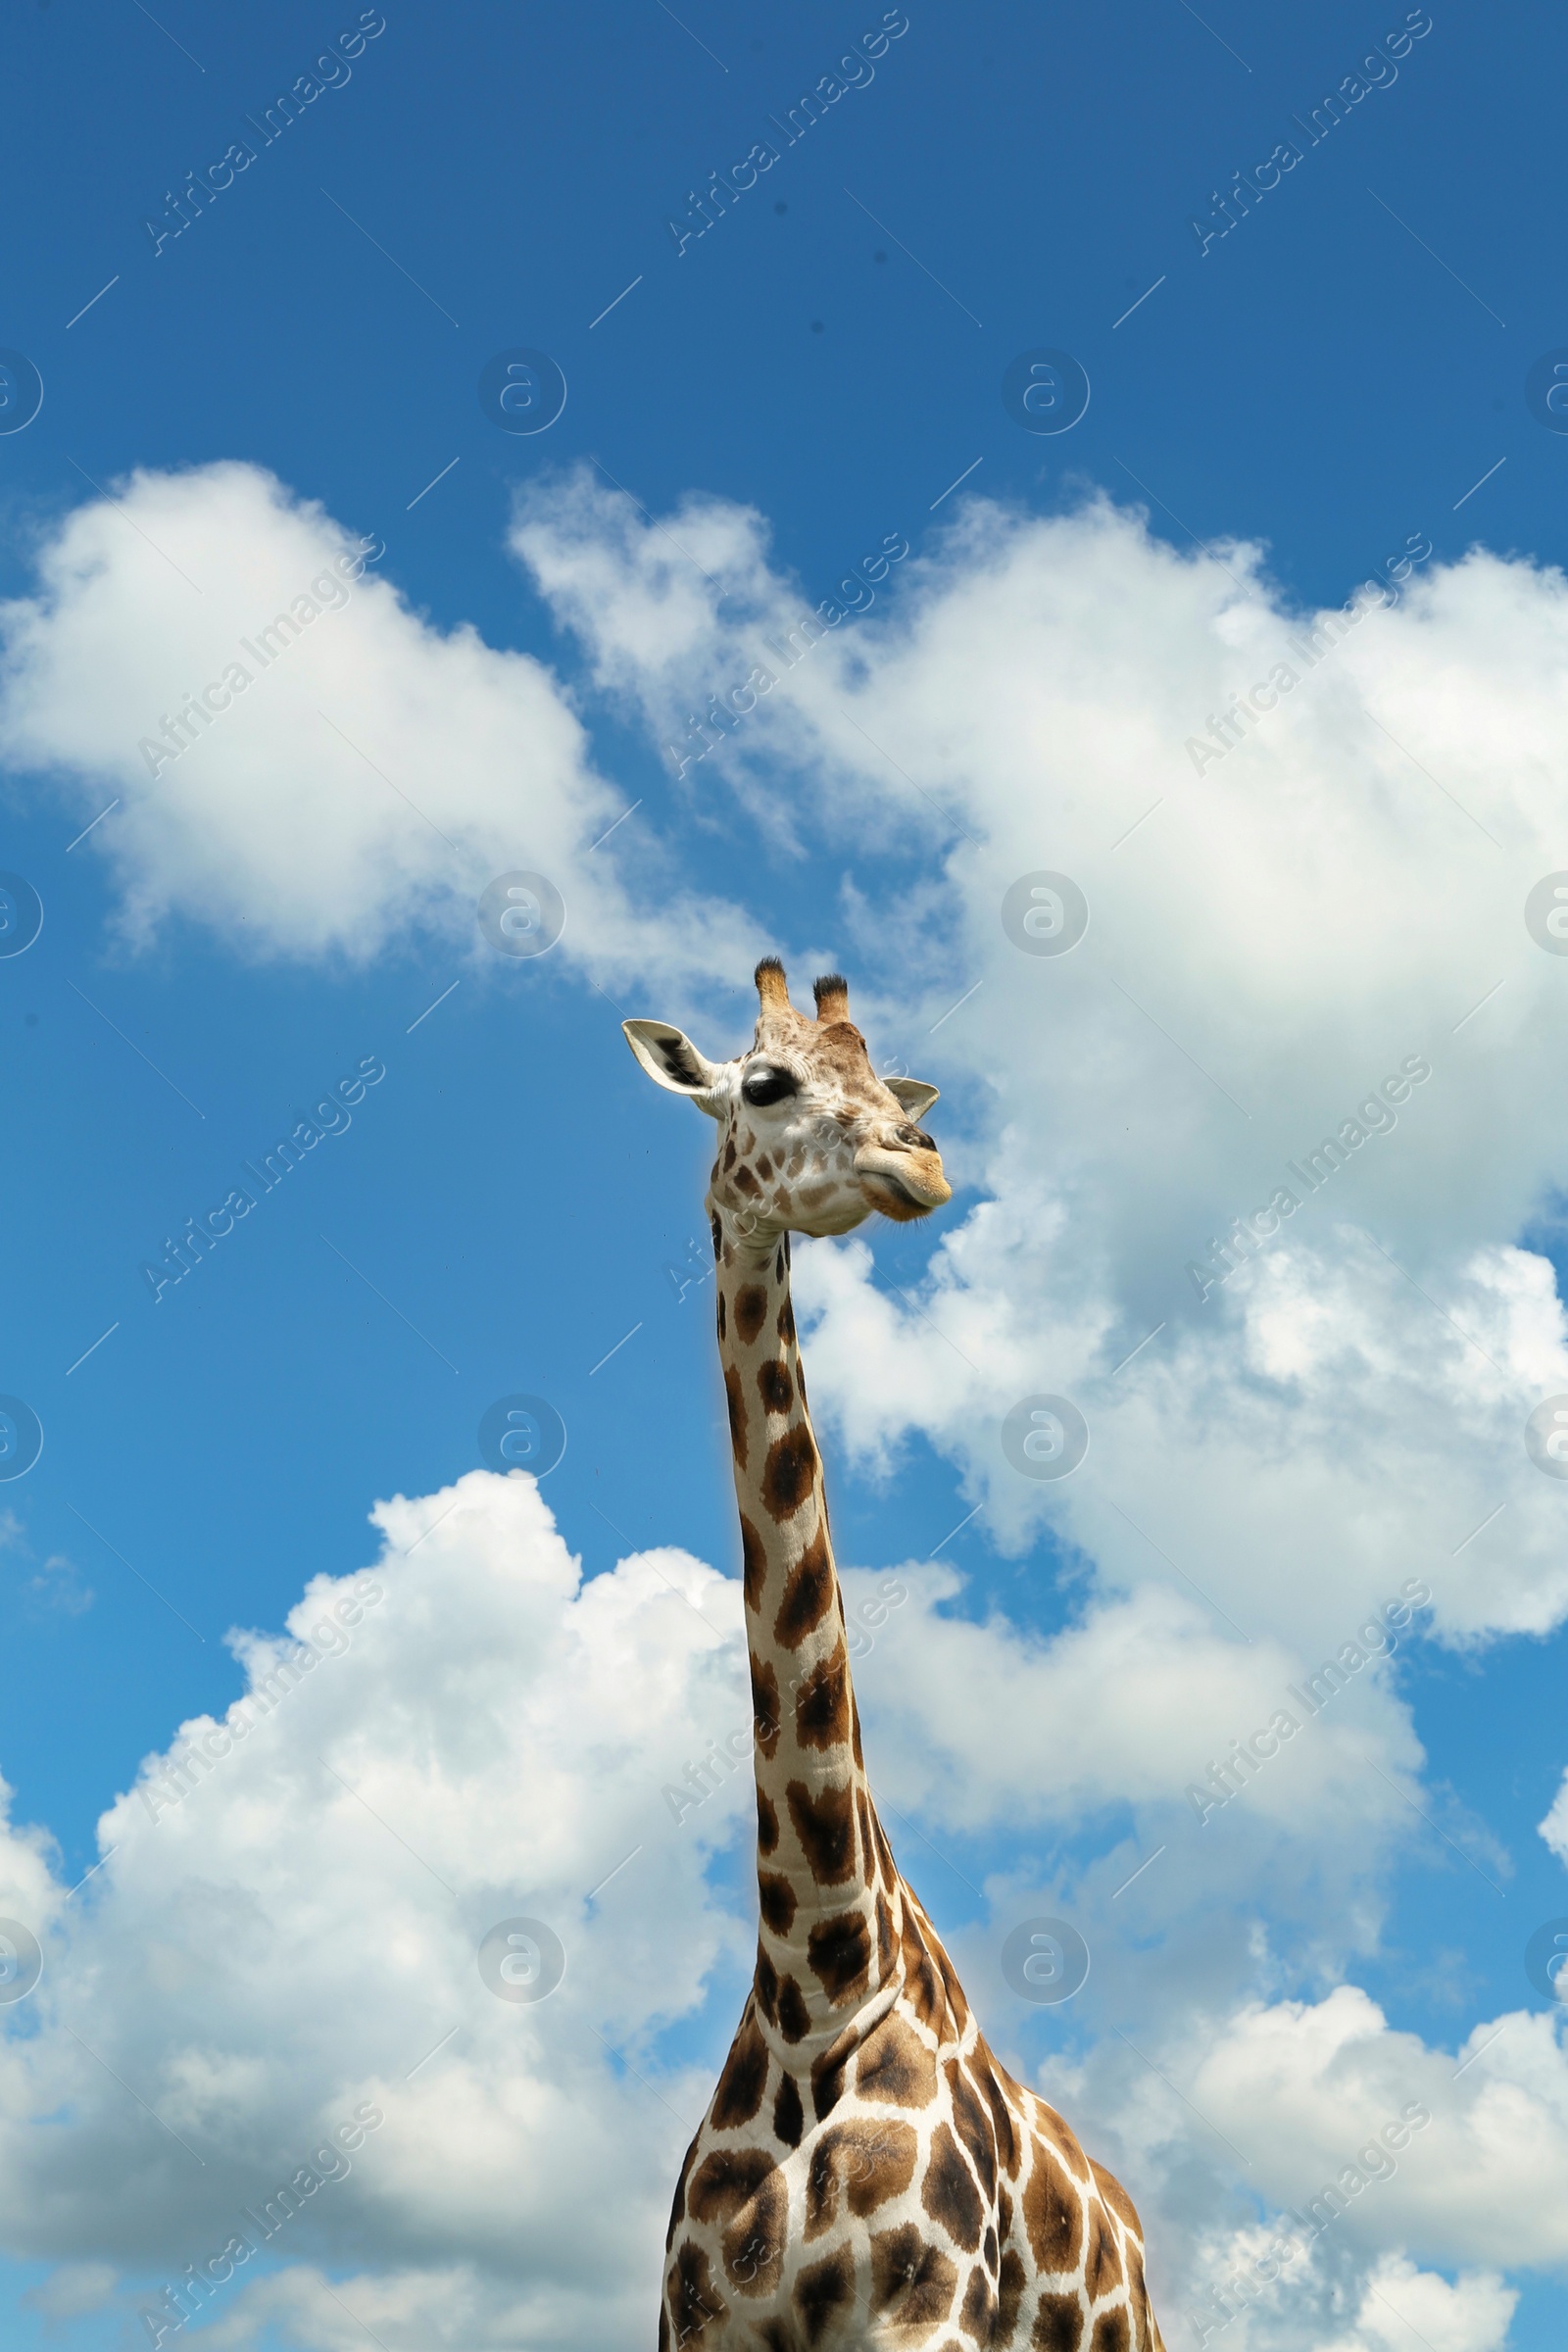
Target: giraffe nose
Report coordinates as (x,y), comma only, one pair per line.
(907,1177)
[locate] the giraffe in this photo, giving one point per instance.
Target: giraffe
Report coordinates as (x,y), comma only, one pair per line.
(867,2176)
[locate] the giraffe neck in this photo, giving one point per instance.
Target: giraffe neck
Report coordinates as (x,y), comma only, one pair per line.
(828,1894)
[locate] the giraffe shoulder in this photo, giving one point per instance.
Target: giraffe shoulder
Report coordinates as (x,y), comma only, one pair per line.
(1116,2197)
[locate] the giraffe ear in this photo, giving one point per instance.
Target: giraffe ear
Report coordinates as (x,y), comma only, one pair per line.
(672,1061)
(913,1093)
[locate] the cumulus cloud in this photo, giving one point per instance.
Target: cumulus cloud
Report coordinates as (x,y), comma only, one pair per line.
(286,1928)
(1273,1455)
(354,771)
(1316,914)
(1300,2162)
(1555,1828)
(1311,2089)
(1470,2316)
(272,1976)
(1317,935)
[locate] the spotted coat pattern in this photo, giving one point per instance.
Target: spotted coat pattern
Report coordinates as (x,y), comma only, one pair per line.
(867,2174)
(867,2177)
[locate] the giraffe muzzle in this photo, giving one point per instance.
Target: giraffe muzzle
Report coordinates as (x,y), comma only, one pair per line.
(903,1185)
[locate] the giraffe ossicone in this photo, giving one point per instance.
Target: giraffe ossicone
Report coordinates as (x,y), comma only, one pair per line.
(867,2177)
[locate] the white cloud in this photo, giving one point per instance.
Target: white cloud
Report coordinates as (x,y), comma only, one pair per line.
(1268,943)
(375,773)
(1470,2316)
(292,1936)
(1306,2234)
(73,2291)
(1343,1417)
(284,1938)
(1555,1828)
(1279,937)
(1305,2086)
(1377,2310)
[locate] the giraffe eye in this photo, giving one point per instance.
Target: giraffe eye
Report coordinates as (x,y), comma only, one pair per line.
(763,1087)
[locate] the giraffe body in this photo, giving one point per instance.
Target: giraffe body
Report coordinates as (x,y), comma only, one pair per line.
(867,2176)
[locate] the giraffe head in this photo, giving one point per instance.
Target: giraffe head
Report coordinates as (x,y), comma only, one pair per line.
(810,1139)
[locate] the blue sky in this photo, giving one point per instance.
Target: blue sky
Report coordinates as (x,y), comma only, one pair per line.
(750,414)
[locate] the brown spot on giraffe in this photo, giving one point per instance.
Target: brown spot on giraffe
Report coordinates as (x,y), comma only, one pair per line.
(1059,2325)
(1005,2123)
(738,1435)
(726,2183)
(972,2124)
(922,1983)
(765,1984)
(824,1825)
(978,2316)
(1111,2331)
(958,2006)
(1048,2124)
(751,1309)
(1011,2281)
(822,1705)
(864,2163)
(895,2068)
(742,2193)
(822,2293)
(839,1951)
(809,1591)
(778,1902)
(911,2278)
(766,1725)
(949,2193)
(1103,2264)
(788,2118)
(790,1473)
(754,1566)
(864,2159)
(830,2074)
(694,2305)
(794,2017)
(1054,2216)
(883,2164)
(741,2086)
